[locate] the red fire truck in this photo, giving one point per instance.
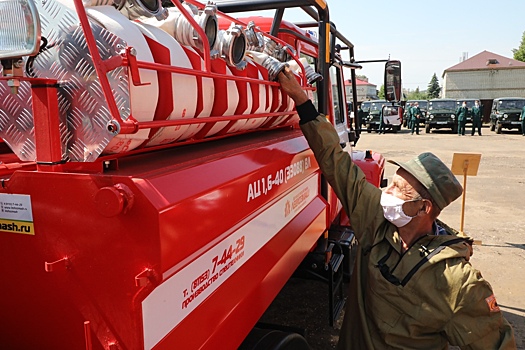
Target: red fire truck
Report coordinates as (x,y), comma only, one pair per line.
(156,192)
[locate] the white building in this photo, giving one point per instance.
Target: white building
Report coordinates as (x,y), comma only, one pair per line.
(365,91)
(485,76)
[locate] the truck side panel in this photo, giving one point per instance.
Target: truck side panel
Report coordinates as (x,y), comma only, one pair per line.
(140,270)
(233,306)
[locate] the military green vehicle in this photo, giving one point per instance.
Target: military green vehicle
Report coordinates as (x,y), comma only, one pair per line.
(505,113)
(441,114)
(391,115)
(372,115)
(365,106)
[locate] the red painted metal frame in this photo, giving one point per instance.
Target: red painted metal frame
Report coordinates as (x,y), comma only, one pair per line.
(48,136)
(49,153)
(47,132)
(102,67)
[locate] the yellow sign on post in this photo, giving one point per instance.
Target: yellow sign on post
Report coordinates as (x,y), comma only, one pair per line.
(465,164)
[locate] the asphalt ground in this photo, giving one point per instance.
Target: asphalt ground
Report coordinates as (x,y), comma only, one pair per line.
(494,215)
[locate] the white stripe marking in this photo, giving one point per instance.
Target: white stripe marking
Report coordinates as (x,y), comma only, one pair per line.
(172,301)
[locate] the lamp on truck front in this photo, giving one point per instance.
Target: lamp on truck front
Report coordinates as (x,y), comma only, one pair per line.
(22,39)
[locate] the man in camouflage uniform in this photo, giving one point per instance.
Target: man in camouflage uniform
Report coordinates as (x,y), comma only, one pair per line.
(413,287)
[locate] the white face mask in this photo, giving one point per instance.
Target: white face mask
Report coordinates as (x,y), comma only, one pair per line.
(393,210)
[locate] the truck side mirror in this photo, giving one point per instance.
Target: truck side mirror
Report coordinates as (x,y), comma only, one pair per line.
(393,81)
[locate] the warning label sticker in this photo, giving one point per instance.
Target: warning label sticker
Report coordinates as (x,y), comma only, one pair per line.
(16,214)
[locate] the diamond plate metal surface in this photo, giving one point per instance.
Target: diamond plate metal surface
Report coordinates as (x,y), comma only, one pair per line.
(16,121)
(83,111)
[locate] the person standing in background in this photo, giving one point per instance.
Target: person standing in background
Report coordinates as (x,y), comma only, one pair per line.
(477,116)
(522,117)
(461,115)
(409,115)
(360,116)
(416,114)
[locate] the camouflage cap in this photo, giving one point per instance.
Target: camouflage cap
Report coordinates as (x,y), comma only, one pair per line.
(435,176)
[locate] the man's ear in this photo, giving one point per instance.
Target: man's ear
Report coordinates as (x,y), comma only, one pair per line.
(427,206)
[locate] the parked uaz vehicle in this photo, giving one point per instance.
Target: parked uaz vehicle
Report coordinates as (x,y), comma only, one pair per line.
(372,119)
(505,113)
(157,192)
(365,107)
(441,114)
(391,116)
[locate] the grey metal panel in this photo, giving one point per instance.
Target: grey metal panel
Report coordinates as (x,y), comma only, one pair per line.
(83,111)
(16,121)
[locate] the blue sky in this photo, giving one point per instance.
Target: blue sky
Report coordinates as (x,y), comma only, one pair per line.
(427,36)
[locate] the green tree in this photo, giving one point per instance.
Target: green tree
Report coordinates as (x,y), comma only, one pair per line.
(519,53)
(381,93)
(433,89)
(416,95)
(361,77)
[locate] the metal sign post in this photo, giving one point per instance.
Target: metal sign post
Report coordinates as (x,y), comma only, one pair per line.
(465,164)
